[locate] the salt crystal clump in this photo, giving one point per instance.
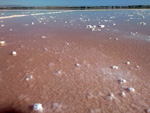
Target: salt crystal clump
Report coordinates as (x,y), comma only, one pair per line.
(89,26)
(59,73)
(137,66)
(111,96)
(43,36)
(101,26)
(148,111)
(45,49)
(26,25)
(14,53)
(93,29)
(2,43)
(90,95)
(66,43)
(115,67)
(57,107)
(142,23)
(128,62)
(131,89)
(38,107)
(116,38)
(94,26)
(122,81)
(2,25)
(29,77)
(96,110)
(78,65)
(123,94)
(32,23)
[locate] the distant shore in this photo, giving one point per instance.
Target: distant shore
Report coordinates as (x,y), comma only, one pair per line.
(75,7)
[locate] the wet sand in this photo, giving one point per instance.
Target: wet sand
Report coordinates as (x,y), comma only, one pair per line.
(69,69)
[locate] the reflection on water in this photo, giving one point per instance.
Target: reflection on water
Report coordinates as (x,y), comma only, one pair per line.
(134,23)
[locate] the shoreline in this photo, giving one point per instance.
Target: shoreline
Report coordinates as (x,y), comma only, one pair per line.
(69,9)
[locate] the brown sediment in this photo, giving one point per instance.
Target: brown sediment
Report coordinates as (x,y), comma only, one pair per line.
(61,85)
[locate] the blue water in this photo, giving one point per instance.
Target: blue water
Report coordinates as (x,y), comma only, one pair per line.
(126,21)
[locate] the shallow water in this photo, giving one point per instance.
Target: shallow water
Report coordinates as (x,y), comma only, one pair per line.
(125,22)
(68,68)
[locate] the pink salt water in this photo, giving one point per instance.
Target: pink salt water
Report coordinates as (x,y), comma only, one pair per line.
(70,69)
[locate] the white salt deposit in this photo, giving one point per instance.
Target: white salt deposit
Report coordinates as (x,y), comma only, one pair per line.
(2,25)
(29,77)
(131,89)
(122,81)
(32,23)
(14,53)
(137,66)
(115,67)
(58,73)
(2,43)
(89,26)
(111,96)
(78,65)
(38,107)
(12,16)
(94,26)
(66,43)
(142,23)
(95,110)
(93,29)
(101,26)
(116,38)
(43,36)
(57,107)
(128,62)
(148,111)
(45,49)
(26,25)
(123,94)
